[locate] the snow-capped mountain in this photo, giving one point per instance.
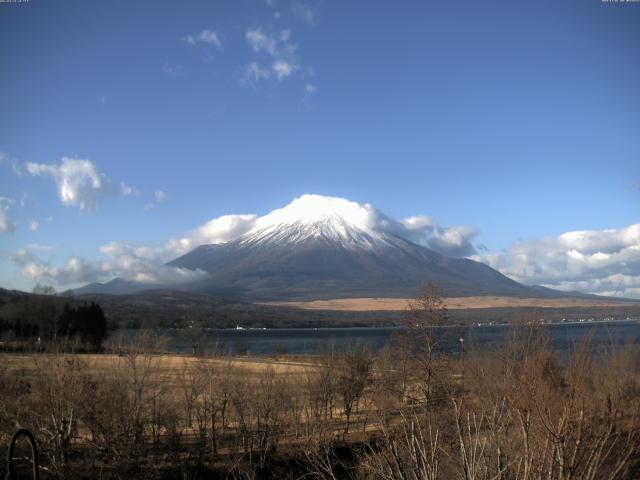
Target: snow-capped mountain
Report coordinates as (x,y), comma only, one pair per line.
(323,247)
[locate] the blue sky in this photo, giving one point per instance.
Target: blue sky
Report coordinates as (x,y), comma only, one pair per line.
(512,122)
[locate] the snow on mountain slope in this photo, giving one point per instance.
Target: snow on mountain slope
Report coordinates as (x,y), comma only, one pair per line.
(348,224)
(311,209)
(316,216)
(329,229)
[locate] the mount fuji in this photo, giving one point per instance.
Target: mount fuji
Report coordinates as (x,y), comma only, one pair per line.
(323,247)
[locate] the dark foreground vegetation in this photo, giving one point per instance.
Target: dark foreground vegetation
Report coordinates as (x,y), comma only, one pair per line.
(36,322)
(407,412)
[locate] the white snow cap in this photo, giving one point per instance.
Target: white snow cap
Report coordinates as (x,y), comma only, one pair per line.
(314,215)
(309,209)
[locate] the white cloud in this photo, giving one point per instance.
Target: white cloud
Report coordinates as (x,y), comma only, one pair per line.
(79,182)
(6,224)
(253,73)
(283,69)
(218,230)
(310,88)
(6,202)
(140,263)
(208,37)
(33,225)
(259,41)
(303,12)
(596,261)
(127,190)
(275,49)
(160,196)
(451,241)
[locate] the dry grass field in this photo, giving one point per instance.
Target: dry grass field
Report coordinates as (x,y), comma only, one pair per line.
(453,303)
(172,366)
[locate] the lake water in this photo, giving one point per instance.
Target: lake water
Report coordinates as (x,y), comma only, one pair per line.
(565,337)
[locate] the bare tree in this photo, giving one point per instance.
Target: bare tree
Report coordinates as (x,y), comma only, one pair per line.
(353,375)
(409,451)
(42,289)
(425,314)
(61,389)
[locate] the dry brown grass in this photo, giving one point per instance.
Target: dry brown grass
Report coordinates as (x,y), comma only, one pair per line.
(169,364)
(399,304)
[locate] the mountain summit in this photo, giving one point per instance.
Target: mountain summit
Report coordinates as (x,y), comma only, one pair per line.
(321,219)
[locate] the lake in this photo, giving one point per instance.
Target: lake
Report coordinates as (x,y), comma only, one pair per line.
(565,337)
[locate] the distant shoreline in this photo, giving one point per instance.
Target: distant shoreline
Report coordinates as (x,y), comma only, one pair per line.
(449,325)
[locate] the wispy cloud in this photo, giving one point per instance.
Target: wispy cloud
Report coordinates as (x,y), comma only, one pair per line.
(253,73)
(78,181)
(283,69)
(277,55)
(159,196)
(13,163)
(277,44)
(127,190)
(206,37)
(259,41)
(173,70)
(6,224)
(33,225)
(303,12)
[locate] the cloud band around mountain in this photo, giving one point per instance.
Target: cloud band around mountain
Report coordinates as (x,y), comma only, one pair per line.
(605,262)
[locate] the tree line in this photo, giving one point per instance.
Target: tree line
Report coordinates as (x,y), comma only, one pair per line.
(42,321)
